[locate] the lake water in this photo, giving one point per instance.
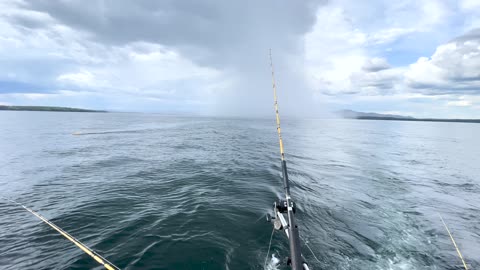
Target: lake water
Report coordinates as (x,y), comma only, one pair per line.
(161,192)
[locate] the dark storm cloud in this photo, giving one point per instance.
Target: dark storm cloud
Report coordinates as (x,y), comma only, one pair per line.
(29,20)
(230,36)
(211,32)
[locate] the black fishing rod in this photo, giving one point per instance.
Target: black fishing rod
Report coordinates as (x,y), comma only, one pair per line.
(287,206)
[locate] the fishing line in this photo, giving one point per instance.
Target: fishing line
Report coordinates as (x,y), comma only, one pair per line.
(97,257)
(306,244)
(453,241)
(287,207)
(268,252)
(261,217)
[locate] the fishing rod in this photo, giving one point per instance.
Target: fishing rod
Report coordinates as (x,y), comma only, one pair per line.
(454,243)
(97,257)
(281,207)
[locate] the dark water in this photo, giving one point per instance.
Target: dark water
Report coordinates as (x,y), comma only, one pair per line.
(156,192)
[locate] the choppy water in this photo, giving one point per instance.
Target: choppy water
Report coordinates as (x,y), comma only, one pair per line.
(156,192)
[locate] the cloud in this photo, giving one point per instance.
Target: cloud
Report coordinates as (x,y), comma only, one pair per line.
(469,5)
(191,26)
(186,41)
(380,82)
(376,64)
(80,78)
(334,49)
(340,62)
(340,50)
(460,103)
(212,56)
(389,35)
(453,68)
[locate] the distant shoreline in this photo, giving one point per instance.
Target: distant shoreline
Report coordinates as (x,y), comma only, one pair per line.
(349,114)
(45,109)
(418,119)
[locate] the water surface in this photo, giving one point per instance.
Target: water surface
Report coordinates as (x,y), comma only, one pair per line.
(161,192)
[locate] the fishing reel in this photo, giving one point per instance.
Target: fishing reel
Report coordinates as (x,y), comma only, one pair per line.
(277,223)
(280,207)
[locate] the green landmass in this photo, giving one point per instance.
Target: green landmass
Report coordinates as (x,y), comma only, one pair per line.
(44,109)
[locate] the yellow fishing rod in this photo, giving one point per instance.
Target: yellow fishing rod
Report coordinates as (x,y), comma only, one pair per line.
(454,243)
(97,257)
(289,225)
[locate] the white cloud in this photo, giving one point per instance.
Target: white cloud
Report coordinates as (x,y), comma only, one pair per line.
(34,96)
(460,103)
(152,72)
(471,101)
(376,64)
(389,35)
(469,5)
(346,62)
(333,51)
(82,78)
(338,50)
(454,67)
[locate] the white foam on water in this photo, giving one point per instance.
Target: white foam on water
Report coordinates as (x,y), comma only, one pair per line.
(273,263)
(401,264)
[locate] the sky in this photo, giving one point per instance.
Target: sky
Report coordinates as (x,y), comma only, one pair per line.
(408,57)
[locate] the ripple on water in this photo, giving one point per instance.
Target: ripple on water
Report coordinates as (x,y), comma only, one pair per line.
(157,192)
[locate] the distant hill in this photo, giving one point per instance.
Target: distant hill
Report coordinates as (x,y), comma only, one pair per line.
(44,108)
(361,115)
(349,114)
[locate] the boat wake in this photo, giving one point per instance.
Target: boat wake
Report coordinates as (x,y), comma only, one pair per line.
(273,263)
